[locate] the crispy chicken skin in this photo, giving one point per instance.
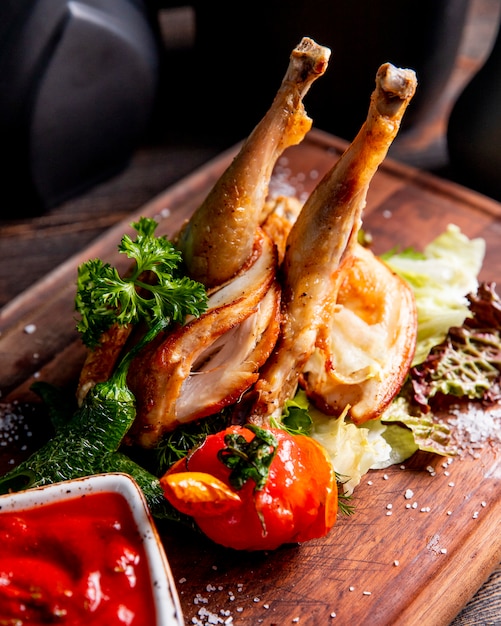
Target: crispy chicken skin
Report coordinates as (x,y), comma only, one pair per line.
(323,236)
(218,239)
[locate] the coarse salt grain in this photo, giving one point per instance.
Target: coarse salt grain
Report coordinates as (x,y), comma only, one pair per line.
(408,494)
(474,427)
(29,329)
(199,599)
(396,563)
(211,618)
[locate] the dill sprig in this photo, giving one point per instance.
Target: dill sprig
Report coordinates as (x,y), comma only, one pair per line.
(178,443)
(344,500)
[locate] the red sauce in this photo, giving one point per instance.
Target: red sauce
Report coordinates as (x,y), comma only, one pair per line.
(75,563)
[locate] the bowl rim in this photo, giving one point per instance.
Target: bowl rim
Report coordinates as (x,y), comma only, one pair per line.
(167,604)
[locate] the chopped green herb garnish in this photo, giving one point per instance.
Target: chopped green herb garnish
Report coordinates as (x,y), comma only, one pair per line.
(154,290)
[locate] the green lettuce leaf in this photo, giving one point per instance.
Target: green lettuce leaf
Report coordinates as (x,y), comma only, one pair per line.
(428,433)
(353,450)
(467,364)
(441,278)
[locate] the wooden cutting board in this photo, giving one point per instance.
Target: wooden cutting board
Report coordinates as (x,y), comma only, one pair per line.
(397,560)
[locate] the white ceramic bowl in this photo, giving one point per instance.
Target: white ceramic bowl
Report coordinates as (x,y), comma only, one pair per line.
(167,605)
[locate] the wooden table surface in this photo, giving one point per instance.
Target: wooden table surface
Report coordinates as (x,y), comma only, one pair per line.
(32,247)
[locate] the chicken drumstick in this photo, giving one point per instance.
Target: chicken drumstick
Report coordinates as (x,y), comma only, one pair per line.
(322,239)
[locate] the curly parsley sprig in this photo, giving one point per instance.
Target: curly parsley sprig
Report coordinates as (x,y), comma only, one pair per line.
(154,289)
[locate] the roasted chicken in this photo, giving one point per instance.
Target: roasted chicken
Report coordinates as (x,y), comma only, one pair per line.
(319,254)
(293,298)
(209,363)
(221,242)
